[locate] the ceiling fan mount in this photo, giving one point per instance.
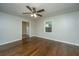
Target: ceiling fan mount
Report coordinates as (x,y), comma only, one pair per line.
(33,12)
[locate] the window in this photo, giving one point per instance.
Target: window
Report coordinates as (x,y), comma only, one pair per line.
(48,26)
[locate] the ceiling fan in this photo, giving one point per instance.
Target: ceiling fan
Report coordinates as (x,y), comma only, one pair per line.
(33,12)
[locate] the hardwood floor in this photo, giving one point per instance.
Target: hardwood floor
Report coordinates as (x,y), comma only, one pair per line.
(39,47)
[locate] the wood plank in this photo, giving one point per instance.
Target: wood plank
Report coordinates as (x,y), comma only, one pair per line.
(38,47)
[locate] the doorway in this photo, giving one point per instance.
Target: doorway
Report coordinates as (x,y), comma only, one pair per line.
(25,30)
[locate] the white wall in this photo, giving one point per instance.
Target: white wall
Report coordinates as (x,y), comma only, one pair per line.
(33,27)
(65,28)
(10,28)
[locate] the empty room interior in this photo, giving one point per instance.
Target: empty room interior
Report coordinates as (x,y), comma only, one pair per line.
(39,29)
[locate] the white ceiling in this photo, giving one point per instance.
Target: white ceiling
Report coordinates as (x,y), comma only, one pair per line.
(51,9)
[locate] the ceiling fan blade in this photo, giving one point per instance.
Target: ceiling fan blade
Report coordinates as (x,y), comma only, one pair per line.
(40,10)
(34,10)
(29,8)
(26,13)
(39,15)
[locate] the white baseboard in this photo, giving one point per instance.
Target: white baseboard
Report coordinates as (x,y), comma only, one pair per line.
(45,38)
(9,42)
(59,41)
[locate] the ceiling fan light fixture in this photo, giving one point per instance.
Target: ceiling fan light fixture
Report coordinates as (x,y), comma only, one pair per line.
(32,15)
(33,12)
(35,15)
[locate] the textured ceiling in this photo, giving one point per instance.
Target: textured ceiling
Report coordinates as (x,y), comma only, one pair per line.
(51,9)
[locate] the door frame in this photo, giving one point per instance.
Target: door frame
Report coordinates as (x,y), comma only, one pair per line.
(28,27)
